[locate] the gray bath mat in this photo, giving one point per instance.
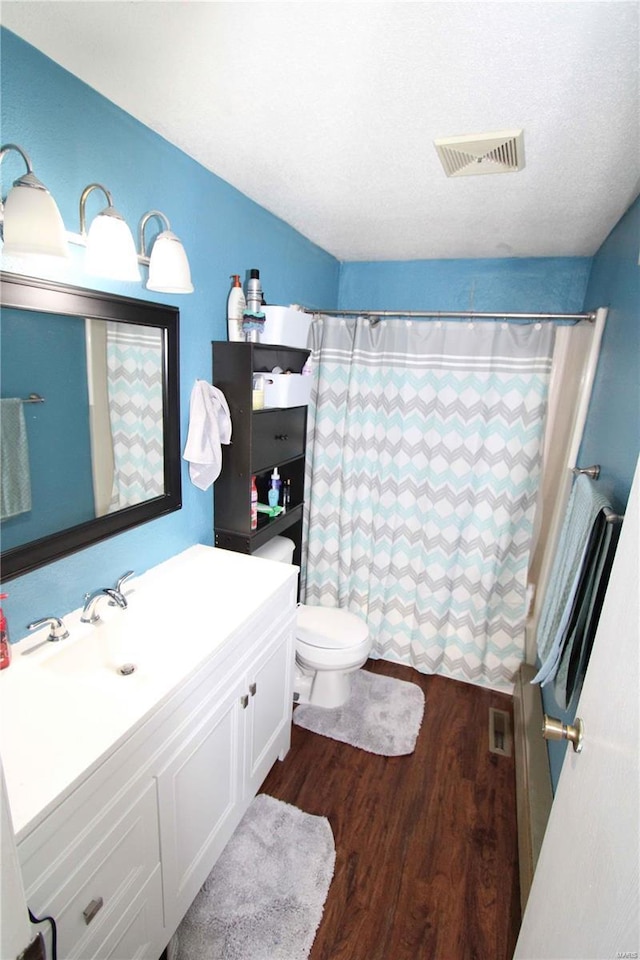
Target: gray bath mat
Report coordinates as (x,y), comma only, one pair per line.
(382,715)
(264,898)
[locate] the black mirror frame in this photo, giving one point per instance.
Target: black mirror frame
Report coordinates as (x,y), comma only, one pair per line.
(44,296)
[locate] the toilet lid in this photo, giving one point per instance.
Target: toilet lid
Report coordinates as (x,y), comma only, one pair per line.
(329,627)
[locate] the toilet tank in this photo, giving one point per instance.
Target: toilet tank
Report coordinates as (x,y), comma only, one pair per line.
(278,548)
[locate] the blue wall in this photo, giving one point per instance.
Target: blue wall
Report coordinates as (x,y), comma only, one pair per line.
(75,137)
(612,431)
(541,285)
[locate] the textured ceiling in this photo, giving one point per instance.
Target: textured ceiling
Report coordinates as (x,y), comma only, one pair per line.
(326,113)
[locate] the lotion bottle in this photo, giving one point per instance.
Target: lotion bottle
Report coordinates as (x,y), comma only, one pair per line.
(236,304)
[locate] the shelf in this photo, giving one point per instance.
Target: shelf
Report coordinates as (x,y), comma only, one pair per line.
(268,527)
(262,439)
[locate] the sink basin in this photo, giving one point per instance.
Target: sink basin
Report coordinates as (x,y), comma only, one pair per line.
(87,657)
(115,652)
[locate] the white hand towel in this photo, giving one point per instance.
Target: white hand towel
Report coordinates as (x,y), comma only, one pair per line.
(209,426)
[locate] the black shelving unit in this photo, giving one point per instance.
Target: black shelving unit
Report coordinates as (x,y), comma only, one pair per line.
(260,441)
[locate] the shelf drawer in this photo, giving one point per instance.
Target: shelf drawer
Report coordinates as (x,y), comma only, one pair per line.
(278,435)
(87,898)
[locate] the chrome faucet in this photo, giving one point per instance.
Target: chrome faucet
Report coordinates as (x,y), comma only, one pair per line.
(58,630)
(116,598)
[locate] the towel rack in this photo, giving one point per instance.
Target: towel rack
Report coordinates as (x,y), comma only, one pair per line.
(594,473)
(33,398)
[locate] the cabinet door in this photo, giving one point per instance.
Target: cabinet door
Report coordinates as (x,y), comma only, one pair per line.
(199,793)
(268,713)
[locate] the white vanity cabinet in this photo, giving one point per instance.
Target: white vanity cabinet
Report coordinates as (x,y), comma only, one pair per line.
(118,861)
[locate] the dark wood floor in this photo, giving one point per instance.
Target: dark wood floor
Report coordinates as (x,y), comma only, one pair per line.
(426,845)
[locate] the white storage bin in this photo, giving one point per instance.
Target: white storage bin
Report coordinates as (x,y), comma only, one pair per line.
(285,327)
(286,389)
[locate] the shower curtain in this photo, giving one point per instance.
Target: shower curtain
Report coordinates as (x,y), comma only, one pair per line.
(134,387)
(423,462)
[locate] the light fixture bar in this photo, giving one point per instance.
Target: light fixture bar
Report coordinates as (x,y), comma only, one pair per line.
(31,226)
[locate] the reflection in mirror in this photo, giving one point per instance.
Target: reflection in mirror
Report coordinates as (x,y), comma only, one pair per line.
(100,416)
(124,365)
(100,452)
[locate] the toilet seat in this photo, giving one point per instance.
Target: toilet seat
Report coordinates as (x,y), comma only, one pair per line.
(328,628)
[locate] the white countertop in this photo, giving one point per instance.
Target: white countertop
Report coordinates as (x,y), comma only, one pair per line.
(64,706)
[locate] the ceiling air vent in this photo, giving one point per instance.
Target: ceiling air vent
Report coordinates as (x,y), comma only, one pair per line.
(469,156)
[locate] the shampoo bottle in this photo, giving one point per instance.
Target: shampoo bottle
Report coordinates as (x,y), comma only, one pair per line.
(274,489)
(236,304)
(5,646)
(254,504)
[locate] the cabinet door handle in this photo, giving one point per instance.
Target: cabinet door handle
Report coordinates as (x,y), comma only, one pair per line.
(244,700)
(282,436)
(252,689)
(90,911)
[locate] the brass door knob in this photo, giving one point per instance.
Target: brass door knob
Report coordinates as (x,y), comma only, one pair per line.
(554,729)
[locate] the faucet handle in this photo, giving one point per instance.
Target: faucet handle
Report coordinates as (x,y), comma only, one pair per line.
(58,630)
(122,580)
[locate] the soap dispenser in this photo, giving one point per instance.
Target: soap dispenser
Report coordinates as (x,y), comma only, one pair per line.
(274,489)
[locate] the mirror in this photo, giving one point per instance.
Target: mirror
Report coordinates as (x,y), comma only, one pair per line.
(89,418)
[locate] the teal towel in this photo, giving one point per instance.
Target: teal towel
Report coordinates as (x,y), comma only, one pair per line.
(585,503)
(581,629)
(15,480)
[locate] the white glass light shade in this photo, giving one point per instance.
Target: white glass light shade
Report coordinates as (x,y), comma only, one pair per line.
(169,270)
(32,222)
(111,251)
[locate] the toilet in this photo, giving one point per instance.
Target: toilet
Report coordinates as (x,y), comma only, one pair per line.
(331,644)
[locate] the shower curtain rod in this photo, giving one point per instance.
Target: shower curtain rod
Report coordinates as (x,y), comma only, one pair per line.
(464,315)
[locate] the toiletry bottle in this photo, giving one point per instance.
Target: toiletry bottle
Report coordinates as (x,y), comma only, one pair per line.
(254,293)
(286,495)
(254,504)
(235,309)
(254,317)
(274,489)
(5,646)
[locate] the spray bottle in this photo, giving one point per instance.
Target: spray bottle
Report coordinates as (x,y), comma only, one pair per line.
(254,504)
(5,646)
(236,304)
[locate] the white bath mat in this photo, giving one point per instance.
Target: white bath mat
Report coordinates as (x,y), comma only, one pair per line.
(264,898)
(382,715)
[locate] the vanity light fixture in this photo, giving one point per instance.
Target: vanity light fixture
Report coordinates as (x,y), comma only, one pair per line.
(169,270)
(31,226)
(110,249)
(31,222)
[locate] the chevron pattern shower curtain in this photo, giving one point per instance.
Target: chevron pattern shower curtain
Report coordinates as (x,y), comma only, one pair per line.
(134,386)
(423,461)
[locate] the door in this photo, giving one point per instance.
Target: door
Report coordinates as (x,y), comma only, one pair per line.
(268,715)
(584,897)
(199,795)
